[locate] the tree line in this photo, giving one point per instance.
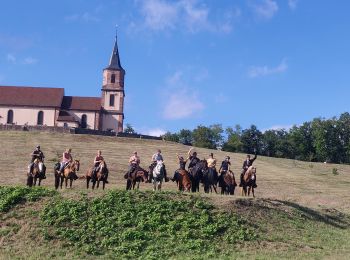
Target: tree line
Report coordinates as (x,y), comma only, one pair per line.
(319,140)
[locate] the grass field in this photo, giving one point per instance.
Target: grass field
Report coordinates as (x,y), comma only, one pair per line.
(301,211)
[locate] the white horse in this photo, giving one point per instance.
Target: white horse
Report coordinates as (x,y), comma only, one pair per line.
(158,175)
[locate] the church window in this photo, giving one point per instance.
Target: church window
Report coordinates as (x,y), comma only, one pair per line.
(84,121)
(40,118)
(10,117)
(113,78)
(111,100)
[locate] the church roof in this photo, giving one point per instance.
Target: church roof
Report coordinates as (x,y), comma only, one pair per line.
(31,96)
(114,62)
(66,117)
(81,103)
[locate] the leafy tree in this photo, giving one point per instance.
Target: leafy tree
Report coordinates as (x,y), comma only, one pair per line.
(204,137)
(168,136)
(251,140)
(233,142)
(185,137)
(129,129)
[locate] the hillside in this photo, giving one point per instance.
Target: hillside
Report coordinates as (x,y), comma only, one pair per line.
(302,209)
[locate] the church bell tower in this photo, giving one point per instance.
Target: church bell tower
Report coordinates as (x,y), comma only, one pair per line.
(113,94)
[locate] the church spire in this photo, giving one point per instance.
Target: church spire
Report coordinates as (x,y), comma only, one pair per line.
(114,62)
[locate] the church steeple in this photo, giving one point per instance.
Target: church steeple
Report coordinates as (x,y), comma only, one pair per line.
(114,62)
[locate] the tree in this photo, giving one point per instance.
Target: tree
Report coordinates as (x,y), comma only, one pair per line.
(251,140)
(203,137)
(185,137)
(129,129)
(168,136)
(217,136)
(233,143)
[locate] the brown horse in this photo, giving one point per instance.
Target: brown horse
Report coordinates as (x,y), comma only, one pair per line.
(248,181)
(184,180)
(69,173)
(36,174)
(136,176)
(101,175)
(227,183)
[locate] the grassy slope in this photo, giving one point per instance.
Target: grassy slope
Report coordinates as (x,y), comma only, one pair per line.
(300,211)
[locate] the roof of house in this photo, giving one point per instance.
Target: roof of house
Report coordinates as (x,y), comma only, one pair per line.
(81,103)
(66,117)
(31,96)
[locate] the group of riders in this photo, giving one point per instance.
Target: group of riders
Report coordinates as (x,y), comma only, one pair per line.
(37,159)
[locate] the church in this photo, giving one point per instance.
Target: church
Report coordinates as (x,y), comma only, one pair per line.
(37,106)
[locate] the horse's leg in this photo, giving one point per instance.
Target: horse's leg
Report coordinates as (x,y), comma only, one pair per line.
(253,192)
(62,179)
(214,186)
(87,182)
(70,182)
(98,184)
(34,181)
(39,182)
(160,186)
(103,184)
(249,190)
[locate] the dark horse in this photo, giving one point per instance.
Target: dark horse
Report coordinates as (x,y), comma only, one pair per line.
(197,174)
(69,173)
(136,176)
(210,180)
(100,175)
(37,173)
(227,182)
(248,181)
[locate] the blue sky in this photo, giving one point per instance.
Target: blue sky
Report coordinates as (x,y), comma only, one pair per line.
(264,62)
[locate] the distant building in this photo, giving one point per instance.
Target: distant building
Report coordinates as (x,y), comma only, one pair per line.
(49,106)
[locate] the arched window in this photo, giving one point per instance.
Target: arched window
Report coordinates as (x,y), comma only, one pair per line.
(83,121)
(113,78)
(40,118)
(10,117)
(111,100)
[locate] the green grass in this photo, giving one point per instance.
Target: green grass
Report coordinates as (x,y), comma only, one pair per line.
(144,225)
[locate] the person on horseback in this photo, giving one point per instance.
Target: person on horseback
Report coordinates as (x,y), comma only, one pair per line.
(211,161)
(182,164)
(224,168)
(97,161)
(37,154)
(66,159)
(134,162)
(155,158)
(246,164)
(192,157)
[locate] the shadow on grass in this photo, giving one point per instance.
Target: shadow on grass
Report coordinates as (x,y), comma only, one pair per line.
(333,218)
(262,208)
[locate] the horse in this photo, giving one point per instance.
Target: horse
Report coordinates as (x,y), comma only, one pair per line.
(248,181)
(210,180)
(196,174)
(69,173)
(227,182)
(37,173)
(98,176)
(158,175)
(184,180)
(136,176)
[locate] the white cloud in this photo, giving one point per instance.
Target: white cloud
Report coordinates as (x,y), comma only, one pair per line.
(182,104)
(260,71)
(265,8)
(292,4)
(11,58)
(84,17)
(155,132)
(190,15)
(278,127)
(181,100)
(29,61)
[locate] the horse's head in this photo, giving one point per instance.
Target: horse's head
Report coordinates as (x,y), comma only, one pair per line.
(143,174)
(76,165)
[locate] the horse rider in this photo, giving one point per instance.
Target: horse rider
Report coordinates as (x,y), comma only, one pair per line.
(246,164)
(134,162)
(97,162)
(37,154)
(155,158)
(192,157)
(211,162)
(182,164)
(66,159)
(224,168)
